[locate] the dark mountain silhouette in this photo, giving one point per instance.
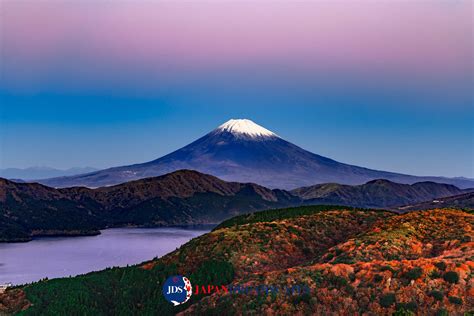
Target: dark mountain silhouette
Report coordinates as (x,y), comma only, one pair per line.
(243,151)
(182,197)
(179,198)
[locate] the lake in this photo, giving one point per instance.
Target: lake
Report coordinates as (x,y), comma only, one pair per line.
(55,257)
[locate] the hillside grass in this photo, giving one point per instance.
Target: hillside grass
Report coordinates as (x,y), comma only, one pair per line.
(284,213)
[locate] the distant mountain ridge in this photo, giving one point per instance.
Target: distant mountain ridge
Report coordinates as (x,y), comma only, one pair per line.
(179,198)
(375,193)
(42,172)
(462,201)
(242,151)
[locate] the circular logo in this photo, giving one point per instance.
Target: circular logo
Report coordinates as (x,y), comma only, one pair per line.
(177,290)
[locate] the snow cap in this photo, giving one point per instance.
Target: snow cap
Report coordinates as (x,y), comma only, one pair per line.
(245,127)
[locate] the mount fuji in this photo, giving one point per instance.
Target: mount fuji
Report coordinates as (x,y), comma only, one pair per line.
(242,151)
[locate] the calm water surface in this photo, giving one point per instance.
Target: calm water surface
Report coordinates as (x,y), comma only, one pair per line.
(55,257)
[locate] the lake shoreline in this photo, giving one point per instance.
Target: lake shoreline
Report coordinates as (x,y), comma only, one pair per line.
(58,257)
(86,233)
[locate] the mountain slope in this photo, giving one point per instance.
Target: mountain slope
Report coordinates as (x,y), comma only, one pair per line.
(242,151)
(376,193)
(462,201)
(350,261)
(182,197)
(29,209)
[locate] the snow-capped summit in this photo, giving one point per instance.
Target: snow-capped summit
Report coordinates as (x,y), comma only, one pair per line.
(245,127)
(242,151)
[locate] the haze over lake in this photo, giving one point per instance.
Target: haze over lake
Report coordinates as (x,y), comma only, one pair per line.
(55,257)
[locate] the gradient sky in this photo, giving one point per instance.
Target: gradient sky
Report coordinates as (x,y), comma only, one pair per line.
(382,84)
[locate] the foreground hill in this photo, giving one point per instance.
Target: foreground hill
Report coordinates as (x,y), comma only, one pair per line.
(179,198)
(353,261)
(377,193)
(242,151)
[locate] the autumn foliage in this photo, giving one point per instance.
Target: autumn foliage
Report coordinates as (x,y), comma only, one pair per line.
(355,262)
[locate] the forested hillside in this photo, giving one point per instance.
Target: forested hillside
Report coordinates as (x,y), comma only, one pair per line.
(353,261)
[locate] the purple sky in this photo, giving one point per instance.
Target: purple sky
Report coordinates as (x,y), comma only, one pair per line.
(102,45)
